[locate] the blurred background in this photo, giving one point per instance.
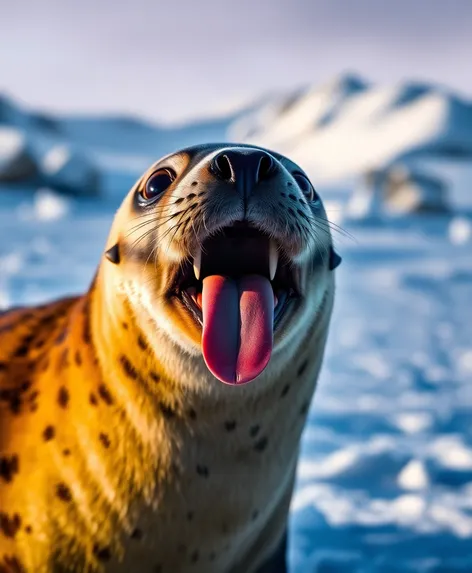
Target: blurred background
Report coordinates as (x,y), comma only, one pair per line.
(374,100)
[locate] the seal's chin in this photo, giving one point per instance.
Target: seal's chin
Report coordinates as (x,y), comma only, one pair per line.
(238,287)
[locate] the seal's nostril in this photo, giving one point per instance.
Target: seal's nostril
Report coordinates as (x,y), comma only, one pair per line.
(244,167)
(266,166)
(222,167)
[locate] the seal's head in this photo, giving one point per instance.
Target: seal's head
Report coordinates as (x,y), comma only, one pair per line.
(227,249)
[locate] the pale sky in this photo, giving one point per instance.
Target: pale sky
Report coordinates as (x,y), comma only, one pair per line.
(175,59)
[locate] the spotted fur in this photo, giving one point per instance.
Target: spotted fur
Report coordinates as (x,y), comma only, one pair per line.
(119,451)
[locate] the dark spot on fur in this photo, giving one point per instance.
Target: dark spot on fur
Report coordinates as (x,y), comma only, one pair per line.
(261,444)
(191,196)
(78,358)
(9,525)
(302,368)
(289,184)
(66,452)
(29,529)
(11,564)
(93,399)
(194,183)
(22,351)
(102,553)
(142,343)
(25,386)
(15,404)
(105,440)
(45,364)
(3,366)
(202,471)
(9,466)
(32,397)
(291,211)
(13,396)
(194,557)
(166,410)
(49,433)
(254,430)
(61,337)
(128,368)
(125,325)
(190,515)
(105,395)
(192,414)
(282,194)
(292,197)
(63,397)
(285,390)
(86,331)
(154,376)
(230,425)
(136,534)
(305,407)
(63,492)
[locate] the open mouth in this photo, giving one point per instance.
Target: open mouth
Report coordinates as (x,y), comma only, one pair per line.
(238,288)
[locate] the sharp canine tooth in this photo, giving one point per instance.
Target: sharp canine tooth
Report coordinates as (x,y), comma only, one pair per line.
(197,263)
(273,259)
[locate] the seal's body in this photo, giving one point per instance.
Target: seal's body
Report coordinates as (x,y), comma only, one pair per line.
(153,424)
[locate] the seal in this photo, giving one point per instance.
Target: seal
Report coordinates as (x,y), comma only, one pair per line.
(153,423)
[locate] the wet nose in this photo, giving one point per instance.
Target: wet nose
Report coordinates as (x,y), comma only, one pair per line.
(244,168)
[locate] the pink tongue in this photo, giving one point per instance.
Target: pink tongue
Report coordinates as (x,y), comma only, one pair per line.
(237,326)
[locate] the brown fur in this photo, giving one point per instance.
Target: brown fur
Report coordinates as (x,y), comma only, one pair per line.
(119,453)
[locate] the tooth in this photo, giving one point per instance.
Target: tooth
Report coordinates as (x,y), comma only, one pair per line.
(197,263)
(273,259)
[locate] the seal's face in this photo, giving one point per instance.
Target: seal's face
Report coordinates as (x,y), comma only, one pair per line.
(233,247)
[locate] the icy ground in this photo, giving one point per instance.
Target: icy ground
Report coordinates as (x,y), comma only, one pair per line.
(385,477)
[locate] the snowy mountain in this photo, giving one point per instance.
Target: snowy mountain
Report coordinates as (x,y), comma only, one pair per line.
(347,126)
(336,131)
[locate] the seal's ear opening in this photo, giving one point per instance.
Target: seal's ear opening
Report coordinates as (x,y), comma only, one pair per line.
(334,259)
(113,254)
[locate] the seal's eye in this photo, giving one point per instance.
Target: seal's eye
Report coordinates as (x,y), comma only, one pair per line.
(306,187)
(157,183)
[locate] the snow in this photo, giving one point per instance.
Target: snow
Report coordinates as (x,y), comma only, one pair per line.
(396,191)
(413,476)
(15,161)
(71,171)
(56,159)
(384,481)
(460,231)
(11,143)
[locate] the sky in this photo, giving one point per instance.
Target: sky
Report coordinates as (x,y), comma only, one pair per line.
(173,60)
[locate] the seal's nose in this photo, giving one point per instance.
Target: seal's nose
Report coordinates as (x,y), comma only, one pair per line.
(244,167)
